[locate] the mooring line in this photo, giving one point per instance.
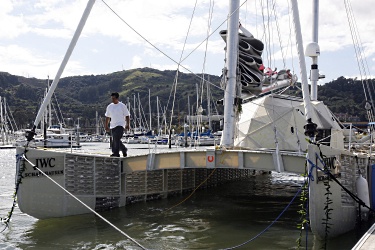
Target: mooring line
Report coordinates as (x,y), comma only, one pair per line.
(268,227)
(208,177)
(89,208)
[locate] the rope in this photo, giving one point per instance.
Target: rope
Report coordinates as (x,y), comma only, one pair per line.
(101,217)
(355,198)
(21,169)
(361,58)
(268,227)
(178,66)
(170,58)
(208,177)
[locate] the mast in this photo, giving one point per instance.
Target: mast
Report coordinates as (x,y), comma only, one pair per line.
(189,123)
(68,53)
(49,108)
(310,127)
(129,108)
(140,113)
(97,122)
(134,112)
(149,105)
(209,103)
(6,120)
(2,122)
(313,51)
(157,106)
(227,139)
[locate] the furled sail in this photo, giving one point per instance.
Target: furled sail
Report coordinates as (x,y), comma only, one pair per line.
(249,61)
(254,77)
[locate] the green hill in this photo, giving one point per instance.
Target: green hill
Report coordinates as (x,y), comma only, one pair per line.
(82,96)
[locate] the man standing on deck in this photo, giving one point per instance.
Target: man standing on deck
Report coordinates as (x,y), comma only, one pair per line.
(117,115)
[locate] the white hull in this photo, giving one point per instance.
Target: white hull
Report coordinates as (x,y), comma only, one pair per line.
(344,213)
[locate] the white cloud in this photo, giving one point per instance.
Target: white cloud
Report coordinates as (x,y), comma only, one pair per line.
(32,25)
(136,62)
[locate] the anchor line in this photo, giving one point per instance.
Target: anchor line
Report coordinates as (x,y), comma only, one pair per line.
(89,208)
(208,177)
(269,226)
(21,169)
(355,198)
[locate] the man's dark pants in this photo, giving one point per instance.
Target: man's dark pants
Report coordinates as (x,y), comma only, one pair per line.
(117,144)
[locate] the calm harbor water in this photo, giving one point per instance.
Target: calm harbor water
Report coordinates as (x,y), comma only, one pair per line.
(215,218)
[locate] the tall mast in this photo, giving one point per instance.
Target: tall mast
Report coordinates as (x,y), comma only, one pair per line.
(49,107)
(129,108)
(97,122)
(227,139)
(209,103)
(149,105)
(134,112)
(189,112)
(313,51)
(157,106)
(139,112)
(310,127)
(2,122)
(62,66)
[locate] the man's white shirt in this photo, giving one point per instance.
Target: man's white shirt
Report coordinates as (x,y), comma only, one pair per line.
(117,113)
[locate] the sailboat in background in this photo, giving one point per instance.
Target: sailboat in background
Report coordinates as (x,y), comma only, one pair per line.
(270,136)
(8,126)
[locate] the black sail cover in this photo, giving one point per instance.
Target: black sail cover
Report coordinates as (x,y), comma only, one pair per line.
(249,62)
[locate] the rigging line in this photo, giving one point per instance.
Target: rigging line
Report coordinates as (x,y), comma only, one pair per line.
(58,107)
(264,37)
(363,57)
(204,181)
(178,66)
(354,45)
(278,32)
(362,53)
(290,36)
(270,225)
(256,18)
(11,115)
(269,54)
(154,46)
(89,208)
(211,9)
(359,56)
(53,106)
(213,31)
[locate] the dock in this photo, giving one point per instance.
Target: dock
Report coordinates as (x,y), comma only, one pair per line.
(367,241)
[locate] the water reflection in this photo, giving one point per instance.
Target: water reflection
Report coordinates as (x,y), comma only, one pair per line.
(216,218)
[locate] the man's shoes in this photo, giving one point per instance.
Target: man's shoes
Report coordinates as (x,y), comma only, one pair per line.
(125,152)
(113,155)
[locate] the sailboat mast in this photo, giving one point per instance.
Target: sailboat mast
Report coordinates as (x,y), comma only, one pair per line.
(227,139)
(149,105)
(97,122)
(2,122)
(157,106)
(314,73)
(62,66)
(310,127)
(209,103)
(49,108)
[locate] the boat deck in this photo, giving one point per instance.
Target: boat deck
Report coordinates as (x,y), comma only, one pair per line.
(367,241)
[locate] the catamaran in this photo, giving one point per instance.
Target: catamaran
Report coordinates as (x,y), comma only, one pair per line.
(262,133)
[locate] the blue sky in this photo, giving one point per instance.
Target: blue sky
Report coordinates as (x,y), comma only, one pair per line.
(35,34)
